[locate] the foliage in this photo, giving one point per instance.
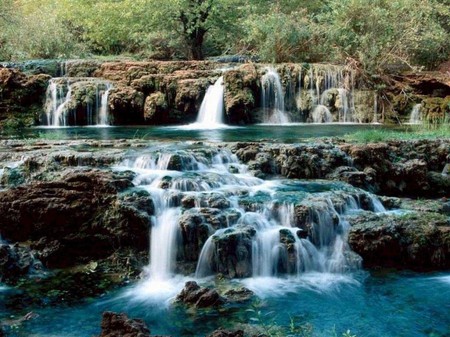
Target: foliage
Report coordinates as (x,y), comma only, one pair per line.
(382,33)
(281,37)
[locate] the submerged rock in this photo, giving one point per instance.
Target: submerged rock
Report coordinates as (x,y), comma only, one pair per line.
(119,325)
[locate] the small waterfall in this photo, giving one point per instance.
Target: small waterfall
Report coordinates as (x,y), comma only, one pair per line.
(211,110)
(321,114)
(77,101)
(416,114)
(273,98)
(103,116)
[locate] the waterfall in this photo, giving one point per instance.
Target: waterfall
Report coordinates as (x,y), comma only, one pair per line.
(416,115)
(273,98)
(211,111)
(77,101)
(103,116)
(209,210)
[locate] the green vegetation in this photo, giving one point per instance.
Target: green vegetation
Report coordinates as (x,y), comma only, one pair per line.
(441,131)
(374,36)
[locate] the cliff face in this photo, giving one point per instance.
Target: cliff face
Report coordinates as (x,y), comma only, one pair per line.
(163,92)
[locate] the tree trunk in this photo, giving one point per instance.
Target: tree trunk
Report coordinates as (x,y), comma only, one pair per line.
(195,45)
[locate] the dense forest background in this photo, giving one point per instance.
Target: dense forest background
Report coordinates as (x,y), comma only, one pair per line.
(375,35)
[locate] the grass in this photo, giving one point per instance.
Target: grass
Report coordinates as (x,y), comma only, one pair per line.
(441,131)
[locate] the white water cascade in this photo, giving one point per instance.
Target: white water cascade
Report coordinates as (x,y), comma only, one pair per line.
(211,111)
(331,87)
(416,114)
(272,97)
(64,107)
(210,211)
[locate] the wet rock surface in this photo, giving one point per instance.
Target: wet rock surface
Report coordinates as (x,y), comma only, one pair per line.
(199,297)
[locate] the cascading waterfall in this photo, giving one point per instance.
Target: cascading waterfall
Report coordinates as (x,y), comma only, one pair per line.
(329,87)
(416,114)
(250,226)
(273,98)
(77,101)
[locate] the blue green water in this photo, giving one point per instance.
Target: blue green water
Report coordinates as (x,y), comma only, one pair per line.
(374,305)
(272,133)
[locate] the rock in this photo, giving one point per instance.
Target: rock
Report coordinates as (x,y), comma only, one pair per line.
(446,208)
(21,97)
(199,297)
(232,255)
(240,89)
(227,333)
(119,325)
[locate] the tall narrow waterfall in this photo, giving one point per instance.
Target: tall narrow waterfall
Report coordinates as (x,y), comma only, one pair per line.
(273,98)
(209,211)
(77,101)
(211,111)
